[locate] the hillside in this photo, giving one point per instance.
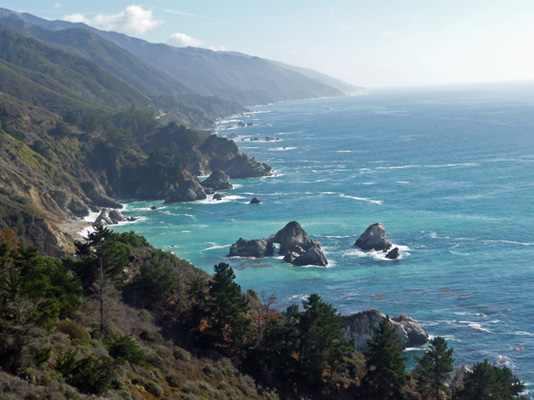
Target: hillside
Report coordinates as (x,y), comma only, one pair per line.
(163,90)
(73,136)
(229,76)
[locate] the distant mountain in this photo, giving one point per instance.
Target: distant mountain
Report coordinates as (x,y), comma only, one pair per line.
(327,80)
(229,76)
(41,75)
(162,89)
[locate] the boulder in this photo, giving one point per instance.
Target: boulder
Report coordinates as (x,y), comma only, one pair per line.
(103,218)
(251,248)
(218,180)
(416,336)
(153,208)
(374,238)
(313,256)
(188,190)
(116,216)
(255,200)
(217,196)
(393,254)
(359,328)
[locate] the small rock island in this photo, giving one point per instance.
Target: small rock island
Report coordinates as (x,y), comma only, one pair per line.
(374,238)
(295,245)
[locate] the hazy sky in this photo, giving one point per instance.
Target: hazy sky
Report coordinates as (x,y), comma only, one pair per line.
(364,42)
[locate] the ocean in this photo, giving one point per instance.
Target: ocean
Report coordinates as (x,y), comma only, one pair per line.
(447,171)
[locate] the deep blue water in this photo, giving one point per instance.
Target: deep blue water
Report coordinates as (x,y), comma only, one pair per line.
(449,172)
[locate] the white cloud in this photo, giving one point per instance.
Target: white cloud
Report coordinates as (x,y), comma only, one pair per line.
(183,40)
(132,19)
(185,14)
(58,5)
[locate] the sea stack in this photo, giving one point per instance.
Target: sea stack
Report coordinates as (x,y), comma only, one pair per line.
(374,238)
(295,245)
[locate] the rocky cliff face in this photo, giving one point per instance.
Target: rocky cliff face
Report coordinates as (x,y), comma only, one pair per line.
(359,327)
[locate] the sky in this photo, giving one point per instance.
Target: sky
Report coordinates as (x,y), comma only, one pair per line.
(372,43)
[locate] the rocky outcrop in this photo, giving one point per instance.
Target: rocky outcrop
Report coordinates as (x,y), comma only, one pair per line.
(255,200)
(313,256)
(241,166)
(374,238)
(393,254)
(416,336)
(359,327)
(218,196)
(218,180)
(292,238)
(295,245)
(251,248)
(110,217)
(188,190)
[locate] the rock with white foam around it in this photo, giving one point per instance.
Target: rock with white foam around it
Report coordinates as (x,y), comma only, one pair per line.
(374,238)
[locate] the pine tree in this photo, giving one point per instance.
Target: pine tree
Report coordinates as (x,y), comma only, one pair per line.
(321,348)
(385,376)
(228,321)
(488,382)
(434,367)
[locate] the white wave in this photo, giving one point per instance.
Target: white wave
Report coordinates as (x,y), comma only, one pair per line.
(91,217)
(288,133)
(378,255)
(503,361)
(377,202)
(282,149)
(400,167)
(523,333)
(368,183)
(403,182)
(215,247)
(328,193)
(473,326)
(185,231)
(451,165)
(225,199)
(344,151)
(509,242)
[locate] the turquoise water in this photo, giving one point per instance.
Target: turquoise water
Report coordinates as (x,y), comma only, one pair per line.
(449,174)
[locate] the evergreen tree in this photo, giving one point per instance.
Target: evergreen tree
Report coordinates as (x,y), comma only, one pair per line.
(434,367)
(228,321)
(321,348)
(488,382)
(385,376)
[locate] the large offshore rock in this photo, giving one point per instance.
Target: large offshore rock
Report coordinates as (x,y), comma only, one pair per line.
(292,237)
(218,180)
(295,245)
(251,248)
(374,238)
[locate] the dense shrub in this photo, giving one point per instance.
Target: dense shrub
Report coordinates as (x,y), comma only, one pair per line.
(89,374)
(125,348)
(154,388)
(76,333)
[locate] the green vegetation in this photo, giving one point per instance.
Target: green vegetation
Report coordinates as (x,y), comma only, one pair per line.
(149,323)
(434,367)
(487,382)
(386,376)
